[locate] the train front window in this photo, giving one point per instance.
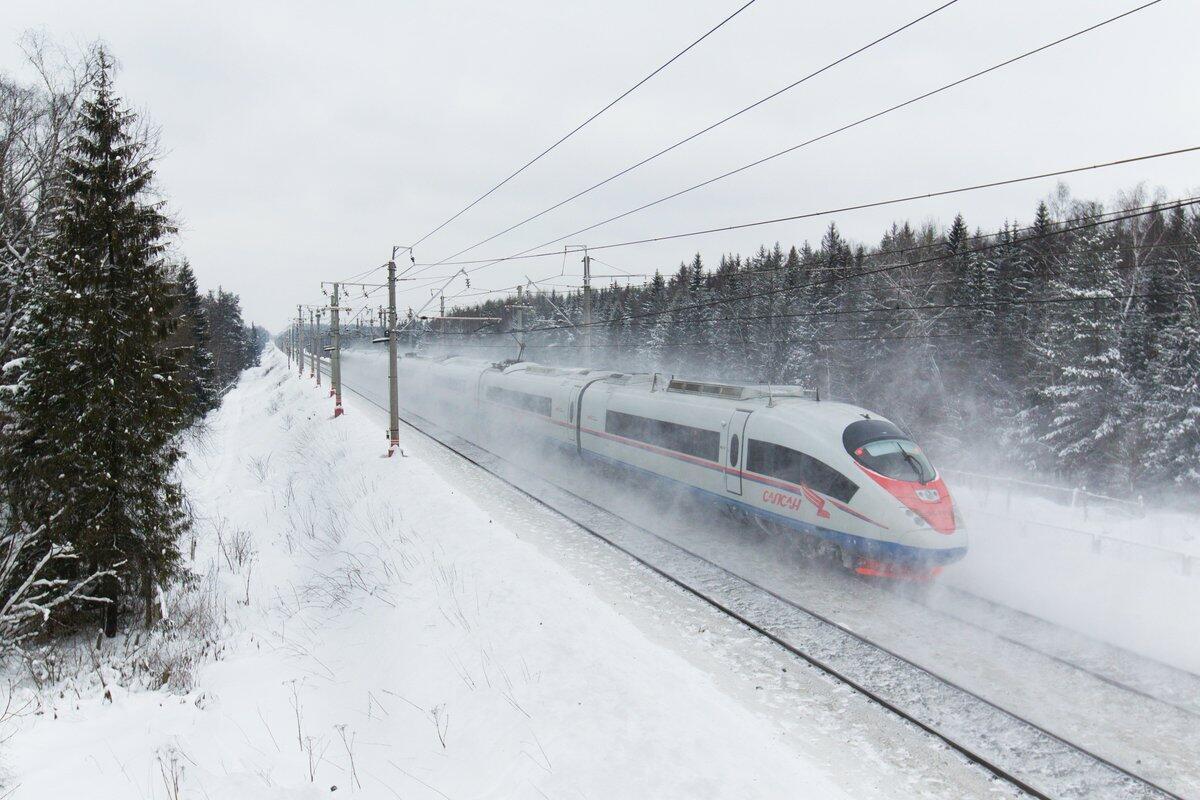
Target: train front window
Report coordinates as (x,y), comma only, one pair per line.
(786,464)
(895,458)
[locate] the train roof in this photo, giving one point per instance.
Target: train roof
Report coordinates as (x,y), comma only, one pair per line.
(770,395)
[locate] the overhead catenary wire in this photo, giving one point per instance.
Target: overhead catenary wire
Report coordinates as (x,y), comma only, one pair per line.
(1015,231)
(572,346)
(364,273)
(885,309)
(1180,203)
(587,121)
(892,267)
(613,266)
(848,208)
(376,289)
(971,305)
(877,337)
(861,121)
(703,131)
(1013,243)
(810,269)
(796,340)
(1157,205)
(1027,301)
(1118,216)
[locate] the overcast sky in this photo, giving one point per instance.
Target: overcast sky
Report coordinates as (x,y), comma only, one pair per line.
(302,140)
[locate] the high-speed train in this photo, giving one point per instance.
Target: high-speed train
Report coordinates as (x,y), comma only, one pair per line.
(851,482)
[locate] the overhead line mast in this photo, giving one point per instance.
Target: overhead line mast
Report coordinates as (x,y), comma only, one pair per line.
(300,340)
(587,121)
(393,433)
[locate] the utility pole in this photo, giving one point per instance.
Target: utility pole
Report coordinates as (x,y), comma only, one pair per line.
(335,330)
(393,388)
(520,324)
(587,308)
(312,340)
(299,342)
(519,311)
(320,347)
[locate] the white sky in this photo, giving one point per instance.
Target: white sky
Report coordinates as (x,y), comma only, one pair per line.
(304,139)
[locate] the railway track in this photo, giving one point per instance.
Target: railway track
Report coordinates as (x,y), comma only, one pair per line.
(1170,686)
(1013,749)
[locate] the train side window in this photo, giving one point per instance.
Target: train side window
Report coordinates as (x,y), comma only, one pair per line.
(735,447)
(526,402)
(786,464)
(697,442)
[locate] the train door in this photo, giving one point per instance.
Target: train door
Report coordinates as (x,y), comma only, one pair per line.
(575,411)
(734,450)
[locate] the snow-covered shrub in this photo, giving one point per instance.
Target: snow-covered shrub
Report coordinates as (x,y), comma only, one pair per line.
(163,657)
(31,586)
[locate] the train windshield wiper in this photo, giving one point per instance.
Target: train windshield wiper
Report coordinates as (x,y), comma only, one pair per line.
(917,466)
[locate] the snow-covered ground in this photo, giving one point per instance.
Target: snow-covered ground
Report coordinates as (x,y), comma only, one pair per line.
(1129,580)
(406,628)
(1037,556)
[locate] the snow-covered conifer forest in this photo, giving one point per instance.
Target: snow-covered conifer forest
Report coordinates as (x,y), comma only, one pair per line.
(110,352)
(1065,345)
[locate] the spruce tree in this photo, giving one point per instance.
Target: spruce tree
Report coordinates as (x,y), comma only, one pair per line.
(958,321)
(1085,410)
(652,333)
(191,337)
(227,335)
(1170,420)
(793,349)
(808,302)
(697,317)
(826,297)
(1013,279)
(101,402)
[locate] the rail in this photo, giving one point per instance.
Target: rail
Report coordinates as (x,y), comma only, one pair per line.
(872,686)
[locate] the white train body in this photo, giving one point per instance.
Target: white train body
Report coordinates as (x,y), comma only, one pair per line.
(828,470)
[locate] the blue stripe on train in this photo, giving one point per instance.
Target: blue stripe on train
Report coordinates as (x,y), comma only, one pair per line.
(892,552)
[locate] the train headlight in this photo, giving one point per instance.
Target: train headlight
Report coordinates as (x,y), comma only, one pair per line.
(929,495)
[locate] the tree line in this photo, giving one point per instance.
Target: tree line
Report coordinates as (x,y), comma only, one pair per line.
(1067,348)
(109,354)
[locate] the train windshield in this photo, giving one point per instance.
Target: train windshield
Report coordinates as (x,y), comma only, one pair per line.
(882,447)
(896,458)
